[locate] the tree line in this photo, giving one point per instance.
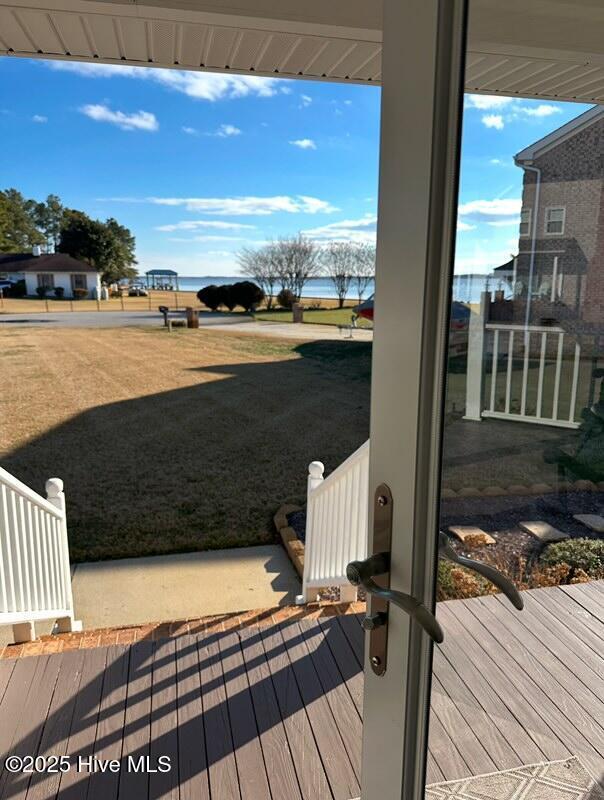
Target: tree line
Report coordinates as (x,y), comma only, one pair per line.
(288,264)
(107,246)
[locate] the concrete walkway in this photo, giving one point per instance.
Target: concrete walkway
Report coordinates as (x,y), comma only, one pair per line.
(236,323)
(133,591)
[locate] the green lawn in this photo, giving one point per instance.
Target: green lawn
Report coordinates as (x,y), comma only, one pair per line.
(320,316)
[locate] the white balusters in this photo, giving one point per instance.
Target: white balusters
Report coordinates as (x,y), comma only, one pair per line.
(35,575)
(336,524)
(554,387)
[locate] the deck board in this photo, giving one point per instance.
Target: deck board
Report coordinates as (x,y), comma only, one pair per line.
(275,712)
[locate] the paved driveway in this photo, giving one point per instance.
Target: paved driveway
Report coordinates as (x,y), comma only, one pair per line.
(111,319)
(221,321)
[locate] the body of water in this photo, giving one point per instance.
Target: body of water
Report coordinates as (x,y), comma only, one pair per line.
(466,288)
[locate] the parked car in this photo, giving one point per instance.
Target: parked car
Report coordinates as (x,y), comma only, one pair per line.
(6,285)
(138,291)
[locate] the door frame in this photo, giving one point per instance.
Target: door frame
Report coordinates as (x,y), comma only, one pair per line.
(422,98)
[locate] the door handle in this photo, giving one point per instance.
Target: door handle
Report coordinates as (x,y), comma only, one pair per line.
(505,585)
(361,573)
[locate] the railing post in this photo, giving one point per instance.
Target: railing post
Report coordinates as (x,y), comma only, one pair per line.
(56,496)
(315,479)
(475,367)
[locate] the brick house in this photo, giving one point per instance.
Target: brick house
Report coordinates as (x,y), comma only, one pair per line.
(560,264)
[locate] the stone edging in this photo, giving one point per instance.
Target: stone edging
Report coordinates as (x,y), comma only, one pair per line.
(521,489)
(289,537)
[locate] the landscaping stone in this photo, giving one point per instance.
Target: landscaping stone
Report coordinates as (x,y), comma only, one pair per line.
(543,531)
(280,518)
(586,486)
(469,491)
(494,491)
(593,521)
(541,488)
(464,532)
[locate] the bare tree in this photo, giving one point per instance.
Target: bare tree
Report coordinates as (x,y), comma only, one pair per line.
(261,265)
(363,268)
(338,260)
(297,261)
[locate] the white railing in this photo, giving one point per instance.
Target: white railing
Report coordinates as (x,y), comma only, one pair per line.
(518,341)
(543,391)
(35,574)
(336,524)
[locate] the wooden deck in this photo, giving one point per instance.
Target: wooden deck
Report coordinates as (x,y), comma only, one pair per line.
(274,712)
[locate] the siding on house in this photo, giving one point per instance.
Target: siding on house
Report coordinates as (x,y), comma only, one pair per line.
(568,267)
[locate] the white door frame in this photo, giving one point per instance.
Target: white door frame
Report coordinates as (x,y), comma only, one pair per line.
(424,43)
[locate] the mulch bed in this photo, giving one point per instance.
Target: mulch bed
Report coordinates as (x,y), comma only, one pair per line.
(500,516)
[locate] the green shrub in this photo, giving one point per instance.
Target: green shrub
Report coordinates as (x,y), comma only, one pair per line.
(19,289)
(42,291)
(584,554)
(59,292)
(286,299)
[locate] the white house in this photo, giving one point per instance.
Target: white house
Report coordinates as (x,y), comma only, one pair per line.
(53,270)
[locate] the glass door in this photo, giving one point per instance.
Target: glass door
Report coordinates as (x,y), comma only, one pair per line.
(487,486)
(517,695)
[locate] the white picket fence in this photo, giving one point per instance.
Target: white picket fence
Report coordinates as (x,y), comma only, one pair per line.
(336,524)
(543,392)
(35,574)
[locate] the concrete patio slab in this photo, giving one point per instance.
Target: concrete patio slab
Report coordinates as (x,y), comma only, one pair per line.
(133,591)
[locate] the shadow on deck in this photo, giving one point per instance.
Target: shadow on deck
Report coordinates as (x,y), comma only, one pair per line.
(274,711)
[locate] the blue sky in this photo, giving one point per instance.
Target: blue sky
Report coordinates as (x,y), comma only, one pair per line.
(198,165)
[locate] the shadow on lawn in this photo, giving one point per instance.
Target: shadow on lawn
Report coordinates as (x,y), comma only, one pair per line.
(207,465)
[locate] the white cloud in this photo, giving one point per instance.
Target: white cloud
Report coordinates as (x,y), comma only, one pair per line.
(226,130)
(542,110)
(209,86)
(207,238)
(189,130)
(215,224)
(140,120)
(486,102)
(237,206)
(464,226)
(347,230)
(39,118)
(493,121)
(504,223)
(495,161)
(304,144)
(305,100)
(490,210)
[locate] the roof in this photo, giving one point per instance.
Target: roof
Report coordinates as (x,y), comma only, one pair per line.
(47,262)
(161,272)
(530,48)
(554,138)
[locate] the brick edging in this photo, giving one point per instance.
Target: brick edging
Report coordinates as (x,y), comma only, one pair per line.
(217,623)
(522,489)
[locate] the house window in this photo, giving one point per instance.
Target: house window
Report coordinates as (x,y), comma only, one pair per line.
(78,282)
(554,220)
(46,279)
(525,222)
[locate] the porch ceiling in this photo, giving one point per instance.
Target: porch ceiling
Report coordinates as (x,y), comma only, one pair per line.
(533,48)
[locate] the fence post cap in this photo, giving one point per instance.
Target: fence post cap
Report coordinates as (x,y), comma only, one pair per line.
(316,469)
(54,487)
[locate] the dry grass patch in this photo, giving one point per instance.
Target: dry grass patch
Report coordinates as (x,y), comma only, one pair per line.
(178,442)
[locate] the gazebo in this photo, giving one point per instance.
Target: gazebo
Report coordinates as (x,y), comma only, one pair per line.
(162,279)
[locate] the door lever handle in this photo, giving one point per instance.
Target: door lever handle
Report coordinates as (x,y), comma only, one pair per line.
(504,584)
(361,573)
